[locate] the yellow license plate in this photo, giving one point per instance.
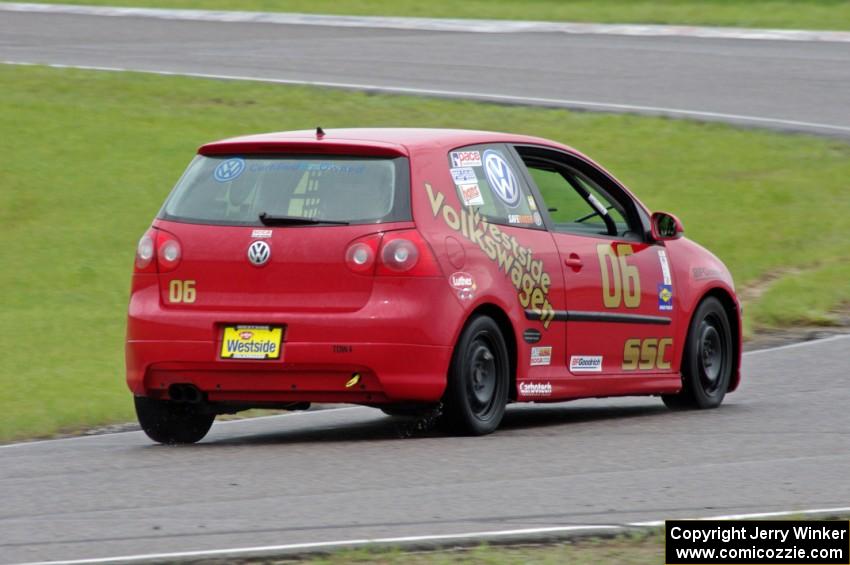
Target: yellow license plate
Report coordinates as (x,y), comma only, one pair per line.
(251,342)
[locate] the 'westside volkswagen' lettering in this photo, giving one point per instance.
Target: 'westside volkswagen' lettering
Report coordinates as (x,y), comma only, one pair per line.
(526,273)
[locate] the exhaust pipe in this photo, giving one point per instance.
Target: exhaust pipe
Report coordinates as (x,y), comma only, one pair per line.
(185,393)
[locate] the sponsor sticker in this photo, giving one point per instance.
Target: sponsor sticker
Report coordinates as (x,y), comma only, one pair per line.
(520,219)
(464,284)
(535,389)
(470,194)
(537,219)
(229,170)
(665,267)
(665,297)
(586,364)
(503,181)
(531,203)
(700,273)
(466,159)
(541,356)
(464,175)
(261,234)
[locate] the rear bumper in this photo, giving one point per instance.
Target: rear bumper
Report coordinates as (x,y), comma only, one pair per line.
(400,344)
(307,372)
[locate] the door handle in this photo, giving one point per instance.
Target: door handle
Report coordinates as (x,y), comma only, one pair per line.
(573,262)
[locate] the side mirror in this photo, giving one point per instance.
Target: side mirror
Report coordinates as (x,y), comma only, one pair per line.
(666,226)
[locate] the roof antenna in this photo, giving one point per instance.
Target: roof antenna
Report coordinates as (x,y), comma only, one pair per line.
(320,133)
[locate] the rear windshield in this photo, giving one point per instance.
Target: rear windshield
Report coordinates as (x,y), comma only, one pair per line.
(233,190)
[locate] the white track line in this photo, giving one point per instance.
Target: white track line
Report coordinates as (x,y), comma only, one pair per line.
(481,96)
(437,24)
(436,539)
(781,514)
(323,545)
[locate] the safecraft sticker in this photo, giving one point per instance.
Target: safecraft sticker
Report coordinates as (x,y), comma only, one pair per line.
(520,219)
(470,194)
(586,364)
(541,356)
(535,389)
(665,266)
(464,175)
(229,170)
(464,284)
(665,297)
(503,181)
(466,159)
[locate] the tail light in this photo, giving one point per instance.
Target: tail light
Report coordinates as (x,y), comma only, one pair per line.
(145,253)
(157,251)
(360,255)
(396,253)
(168,251)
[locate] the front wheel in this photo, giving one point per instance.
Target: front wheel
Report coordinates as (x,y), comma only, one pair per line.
(165,421)
(479,376)
(707,361)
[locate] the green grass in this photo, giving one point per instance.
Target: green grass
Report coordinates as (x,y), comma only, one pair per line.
(811,14)
(88,158)
(640,548)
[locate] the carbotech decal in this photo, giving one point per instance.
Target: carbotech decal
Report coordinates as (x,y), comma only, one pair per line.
(526,273)
(535,389)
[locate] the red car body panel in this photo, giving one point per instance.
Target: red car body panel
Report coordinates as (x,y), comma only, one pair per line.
(396,334)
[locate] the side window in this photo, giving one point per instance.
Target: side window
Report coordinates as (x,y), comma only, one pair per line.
(487,178)
(575,203)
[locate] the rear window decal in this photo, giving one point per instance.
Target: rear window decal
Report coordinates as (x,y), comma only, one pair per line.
(466,159)
(503,181)
(229,170)
(464,175)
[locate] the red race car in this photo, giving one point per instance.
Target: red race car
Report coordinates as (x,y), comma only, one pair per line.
(412,270)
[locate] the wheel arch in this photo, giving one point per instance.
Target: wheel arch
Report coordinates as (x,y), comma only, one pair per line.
(497,314)
(730,305)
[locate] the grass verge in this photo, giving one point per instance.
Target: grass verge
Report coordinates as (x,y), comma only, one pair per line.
(812,14)
(639,548)
(89,157)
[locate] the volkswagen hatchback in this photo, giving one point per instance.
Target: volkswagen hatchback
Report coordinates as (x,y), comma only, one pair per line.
(416,270)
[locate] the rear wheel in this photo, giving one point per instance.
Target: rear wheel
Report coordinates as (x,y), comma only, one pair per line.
(707,361)
(165,421)
(477,389)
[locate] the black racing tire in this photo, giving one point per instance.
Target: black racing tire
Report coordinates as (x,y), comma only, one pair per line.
(707,362)
(170,422)
(478,380)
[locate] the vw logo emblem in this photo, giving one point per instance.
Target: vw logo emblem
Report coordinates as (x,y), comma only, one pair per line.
(259,253)
(229,170)
(503,182)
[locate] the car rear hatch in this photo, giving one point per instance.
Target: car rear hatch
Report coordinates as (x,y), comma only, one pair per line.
(270,232)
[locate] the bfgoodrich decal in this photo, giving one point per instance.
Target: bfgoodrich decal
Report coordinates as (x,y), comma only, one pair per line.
(586,364)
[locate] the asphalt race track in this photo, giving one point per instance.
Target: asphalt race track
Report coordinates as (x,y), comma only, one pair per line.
(324,478)
(782,442)
(791,85)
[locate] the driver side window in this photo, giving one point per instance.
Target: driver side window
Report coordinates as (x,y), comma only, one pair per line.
(575,203)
